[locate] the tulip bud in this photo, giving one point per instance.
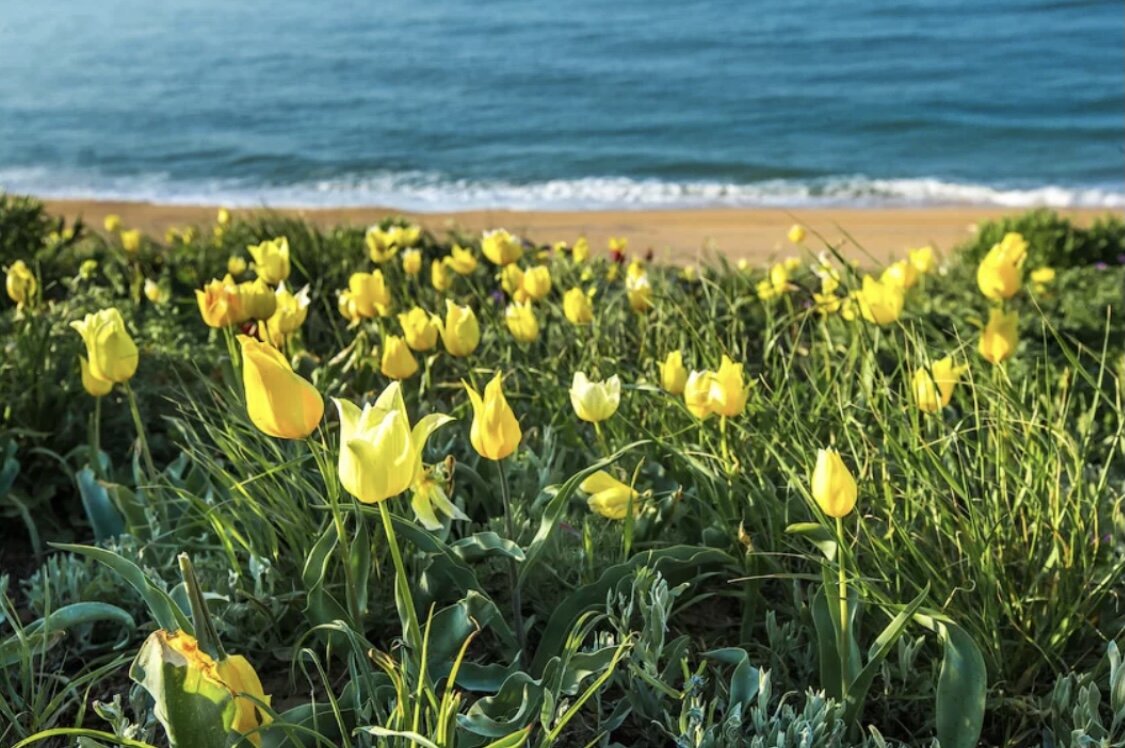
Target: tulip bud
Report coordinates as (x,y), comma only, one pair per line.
(595,401)
(279,401)
(495,432)
(728,393)
(833,486)
(933,387)
(440,278)
(537,282)
(21,283)
(112,223)
(673,375)
(412,262)
(419,328)
(131,240)
(522,322)
(796,233)
(111,353)
(998,274)
(94,386)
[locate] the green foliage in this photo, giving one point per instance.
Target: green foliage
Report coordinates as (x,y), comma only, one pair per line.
(1055,241)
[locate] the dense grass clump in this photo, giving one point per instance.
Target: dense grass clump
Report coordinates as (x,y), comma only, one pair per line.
(705,591)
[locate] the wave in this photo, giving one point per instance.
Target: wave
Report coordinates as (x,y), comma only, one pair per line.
(430,192)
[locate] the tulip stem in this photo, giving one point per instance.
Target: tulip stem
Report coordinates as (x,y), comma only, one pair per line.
(842,644)
(140,426)
(402,583)
(723,443)
(96,438)
(513,571)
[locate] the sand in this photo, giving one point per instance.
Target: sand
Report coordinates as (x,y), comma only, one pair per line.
(756,234)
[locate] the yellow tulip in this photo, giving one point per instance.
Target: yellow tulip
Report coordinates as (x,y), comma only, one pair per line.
(933,387)
(370,294)
(697,393)
(998,274)
(577,307)
(440,278)
(1043,275)
(581,250)
(156,293)
(258,299)
(826,303)
(638,291)
(380,455)
(236,265)
(419,328)
(131,240)
(290,314)
(382,244)
(462,260)
(673,375)
(21,283)
(728,392)
(922,259)
(796,233)
(537,282)
(522,322)
(495,432)
(220,303)
(999,338)
(460,332)
(609,497)
(94,386)
(278,400)
(412,262)
(511,279)
(222,217)
(618,245)
(111,353)
(902,274)
(880,303)
(595,401)
(112,223)
(833,486)
(397,362)
(271,260)
(500,247)
(767,291)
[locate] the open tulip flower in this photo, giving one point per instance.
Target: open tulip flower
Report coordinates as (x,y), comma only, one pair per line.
(271,259)
(933,387)
(440,277)
(595,401)
(289,314)
(461,260)
(728,391)
(880,303)
(608,496)
(500,247)
(998,274)
(220,303)
(495,432)
(111,353)
(380,454)
(279,401)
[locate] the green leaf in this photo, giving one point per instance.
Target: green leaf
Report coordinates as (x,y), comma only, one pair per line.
(484,544)
(745,680)
(962,685)
(104,518)
(857,690)
(39,636)
(818,535)
(165,612)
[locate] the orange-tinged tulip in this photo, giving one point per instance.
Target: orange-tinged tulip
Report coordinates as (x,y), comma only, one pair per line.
(220,303)
(279,401)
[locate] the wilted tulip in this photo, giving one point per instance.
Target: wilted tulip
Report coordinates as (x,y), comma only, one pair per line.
(495,432)
(833,486)
(111,353)
(595,401)
(279,401)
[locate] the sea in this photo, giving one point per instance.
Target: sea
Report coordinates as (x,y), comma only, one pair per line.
(437,105)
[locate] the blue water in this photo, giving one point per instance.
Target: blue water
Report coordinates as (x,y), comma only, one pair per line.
(434,104)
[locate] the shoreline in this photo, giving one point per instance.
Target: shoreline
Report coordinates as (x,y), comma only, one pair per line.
(674,235)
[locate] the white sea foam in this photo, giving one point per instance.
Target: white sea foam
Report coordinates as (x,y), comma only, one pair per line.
(423,191)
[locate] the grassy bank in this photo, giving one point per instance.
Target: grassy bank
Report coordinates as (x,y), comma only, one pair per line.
(712,596)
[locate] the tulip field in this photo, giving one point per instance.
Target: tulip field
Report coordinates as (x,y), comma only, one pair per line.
(268,484)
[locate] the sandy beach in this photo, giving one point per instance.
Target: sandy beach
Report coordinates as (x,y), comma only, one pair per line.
(674,235)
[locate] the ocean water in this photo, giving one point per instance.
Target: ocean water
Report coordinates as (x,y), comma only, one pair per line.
(445,104)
